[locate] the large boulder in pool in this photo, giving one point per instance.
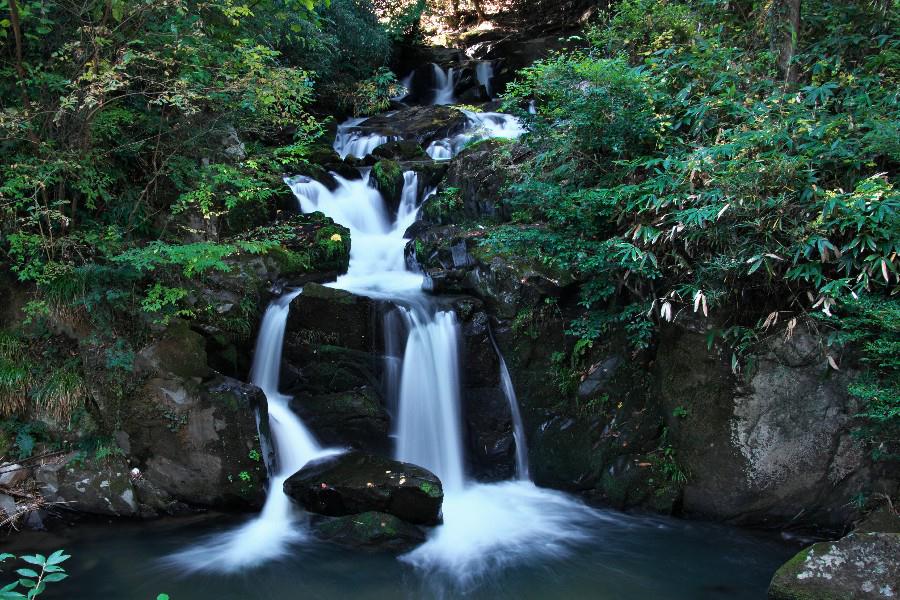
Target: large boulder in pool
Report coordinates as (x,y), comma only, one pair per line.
(856,567)
(370,531)
(356,482)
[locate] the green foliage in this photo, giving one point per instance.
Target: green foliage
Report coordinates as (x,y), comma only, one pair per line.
(32,582)
(372,95)
(674,171)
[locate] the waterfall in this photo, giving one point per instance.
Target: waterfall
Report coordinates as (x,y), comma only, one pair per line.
(509,391)
(445,84)
(479,126)
(485,525)
(429,432)
(270,535)
(350,141)
(484,71)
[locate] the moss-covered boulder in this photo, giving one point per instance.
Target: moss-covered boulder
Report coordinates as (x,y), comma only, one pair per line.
(353,418)
(194,434)
(771,445)
(353,483)
(401,151)
(860,566)
(387,177)
(376,531)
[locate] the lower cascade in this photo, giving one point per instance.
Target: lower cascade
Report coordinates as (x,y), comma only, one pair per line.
(270,535)
(485,525)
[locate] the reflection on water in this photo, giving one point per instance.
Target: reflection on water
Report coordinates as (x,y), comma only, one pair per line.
(619,557)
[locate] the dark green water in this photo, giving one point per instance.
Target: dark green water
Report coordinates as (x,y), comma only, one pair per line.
(624,557)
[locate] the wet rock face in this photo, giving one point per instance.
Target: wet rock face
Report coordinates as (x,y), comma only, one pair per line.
(353,418)
(96,487)
(333,367)
(477,174)
(353,483)
(370,531)
(424,124)
(772,447)
(193,434)
(860,566)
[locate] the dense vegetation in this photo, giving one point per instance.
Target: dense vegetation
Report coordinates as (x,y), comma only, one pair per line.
(142,147)
(737,159)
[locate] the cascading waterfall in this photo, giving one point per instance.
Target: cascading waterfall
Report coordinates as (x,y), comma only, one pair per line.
(509,391)
(350,141)
(445,85)
(270,535)
(429,432)
(479,126)
(484,72)
(485,525)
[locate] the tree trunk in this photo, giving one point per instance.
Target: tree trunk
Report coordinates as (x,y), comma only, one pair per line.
(785,32)
(479,10)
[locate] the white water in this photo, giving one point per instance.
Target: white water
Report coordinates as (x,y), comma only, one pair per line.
(485,525)
(479,126)
(429,431)
(509,391)
(353,142)
(271,534)
(484,72)
(445,83)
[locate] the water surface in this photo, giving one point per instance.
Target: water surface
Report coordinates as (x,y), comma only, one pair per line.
(621,557)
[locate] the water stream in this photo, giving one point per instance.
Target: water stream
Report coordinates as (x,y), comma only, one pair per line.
(270,535)
(507,539)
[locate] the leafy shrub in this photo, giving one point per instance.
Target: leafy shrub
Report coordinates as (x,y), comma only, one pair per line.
(672,169)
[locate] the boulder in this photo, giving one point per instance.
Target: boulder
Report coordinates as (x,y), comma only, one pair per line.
(327,316)
(354,418)
(387,177)
(192,433)
(199,442)
(479,176)
(355,482)
(401,151)
(370,531)
(101,487)
(860,566)
(771,446)
(423,124)
(12,474)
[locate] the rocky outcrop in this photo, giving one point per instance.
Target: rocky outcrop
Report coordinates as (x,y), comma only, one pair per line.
(84,484)
(192,433)
(860,566)
(424,124)
(773,446)
(477,172)
(333,367)
(352,418)
(353,483)
(370,531)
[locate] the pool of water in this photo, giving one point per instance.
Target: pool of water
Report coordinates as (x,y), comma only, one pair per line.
(620,557)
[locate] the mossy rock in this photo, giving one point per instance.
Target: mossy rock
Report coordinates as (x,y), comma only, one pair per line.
(860,566)
(387,176)
(356,482)
(371,531)
(352,418)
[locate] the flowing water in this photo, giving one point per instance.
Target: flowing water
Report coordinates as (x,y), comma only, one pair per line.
(616,557)
(279,525)
(509,391)
(484,72)
(501,540)
(444,85)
